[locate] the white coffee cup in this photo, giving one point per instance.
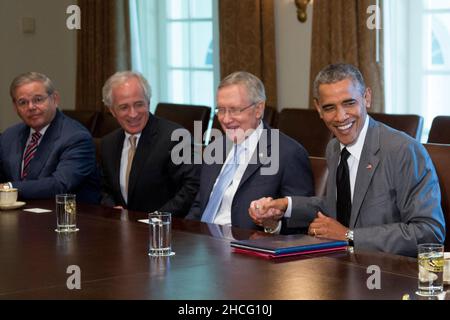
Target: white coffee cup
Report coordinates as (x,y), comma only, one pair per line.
(8,196)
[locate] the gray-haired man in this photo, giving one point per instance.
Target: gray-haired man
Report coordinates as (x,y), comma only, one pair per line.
(224,194)
(137,170)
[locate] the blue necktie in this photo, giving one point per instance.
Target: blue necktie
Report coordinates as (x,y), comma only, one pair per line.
(223,181)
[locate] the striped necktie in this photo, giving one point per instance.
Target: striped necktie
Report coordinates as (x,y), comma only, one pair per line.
(30,150)
(223,182)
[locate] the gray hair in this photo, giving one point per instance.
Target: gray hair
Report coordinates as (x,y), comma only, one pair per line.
(30,77)
(121,77)
(337,72)
(254,86)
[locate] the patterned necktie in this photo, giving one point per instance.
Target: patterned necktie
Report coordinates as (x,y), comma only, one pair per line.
(223,181)
(29,153)
(344,200)
(131,153)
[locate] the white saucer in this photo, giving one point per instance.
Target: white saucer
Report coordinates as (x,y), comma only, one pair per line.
(13,206)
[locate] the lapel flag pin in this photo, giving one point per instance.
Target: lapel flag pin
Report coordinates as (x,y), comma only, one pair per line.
(369,167)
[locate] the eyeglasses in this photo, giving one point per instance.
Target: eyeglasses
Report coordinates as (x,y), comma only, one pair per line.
(35,101)
(232,111)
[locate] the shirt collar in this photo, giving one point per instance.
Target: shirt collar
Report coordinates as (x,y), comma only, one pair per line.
(356,148)
(127,137)
(42,131)
(252,140)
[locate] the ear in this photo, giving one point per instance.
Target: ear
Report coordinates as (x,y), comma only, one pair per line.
(318,108)
(368,97)
(112,111)
(260,109)
(56,97)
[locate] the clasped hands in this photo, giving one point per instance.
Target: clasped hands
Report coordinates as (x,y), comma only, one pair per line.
(267,212)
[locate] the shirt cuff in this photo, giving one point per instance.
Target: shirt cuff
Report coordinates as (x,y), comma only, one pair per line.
(274,231)
(288,212)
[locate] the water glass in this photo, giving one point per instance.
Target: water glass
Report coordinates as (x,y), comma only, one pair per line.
(431,269)
(160,233)
(66,213)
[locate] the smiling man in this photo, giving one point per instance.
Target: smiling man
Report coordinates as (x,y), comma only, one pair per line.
(228,187)
(48,153)
(137,170)
(382,190)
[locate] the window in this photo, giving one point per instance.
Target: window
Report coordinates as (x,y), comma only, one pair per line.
(175,45)
(417,56)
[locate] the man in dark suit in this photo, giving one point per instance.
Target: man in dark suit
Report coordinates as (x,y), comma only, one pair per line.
(48,153)
(228,187)
(137,168)
(382,190)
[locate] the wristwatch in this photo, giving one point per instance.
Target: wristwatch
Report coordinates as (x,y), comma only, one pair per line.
(268,230)
(349,237)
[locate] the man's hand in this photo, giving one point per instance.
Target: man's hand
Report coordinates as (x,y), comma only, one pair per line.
(266,212)
(326,227)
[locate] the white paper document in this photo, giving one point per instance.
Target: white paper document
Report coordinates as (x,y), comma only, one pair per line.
(37,210)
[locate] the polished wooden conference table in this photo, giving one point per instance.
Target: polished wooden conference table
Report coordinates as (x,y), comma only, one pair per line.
(111,251)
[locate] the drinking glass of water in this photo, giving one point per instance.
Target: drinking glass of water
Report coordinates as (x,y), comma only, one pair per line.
(66,213)
(431,269)
(160,233)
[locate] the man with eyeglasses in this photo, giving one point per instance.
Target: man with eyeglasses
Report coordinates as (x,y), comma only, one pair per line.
(228,187)
(137,170)
(48,153)
(382,189)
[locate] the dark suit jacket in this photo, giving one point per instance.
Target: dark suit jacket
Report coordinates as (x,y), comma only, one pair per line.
(396,202)
(155,182)
(64,161)
(294,176)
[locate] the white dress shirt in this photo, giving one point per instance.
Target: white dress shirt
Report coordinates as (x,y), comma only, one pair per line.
(355,151)
(249,145)
(124,163)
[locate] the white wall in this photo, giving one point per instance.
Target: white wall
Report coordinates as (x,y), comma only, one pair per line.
(50,50)
(293,44)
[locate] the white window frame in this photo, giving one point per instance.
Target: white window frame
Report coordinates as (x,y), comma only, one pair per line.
(158,77)
(406,42)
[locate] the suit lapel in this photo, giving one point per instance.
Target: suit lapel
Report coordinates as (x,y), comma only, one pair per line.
(367,166)
(45,147)
(17,153)
(213,170)
(259,157)
(143,153)
(331,183)
(117,157)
